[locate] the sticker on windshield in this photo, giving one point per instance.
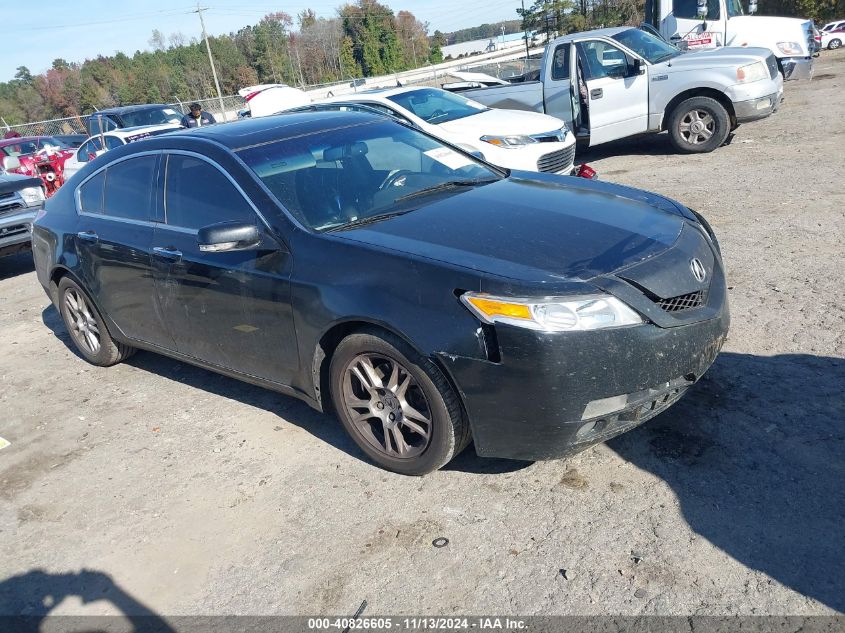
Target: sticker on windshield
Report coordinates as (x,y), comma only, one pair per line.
(448,157)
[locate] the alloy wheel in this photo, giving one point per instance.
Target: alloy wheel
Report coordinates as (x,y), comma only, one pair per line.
(83,326)
(387,406)
(697,127)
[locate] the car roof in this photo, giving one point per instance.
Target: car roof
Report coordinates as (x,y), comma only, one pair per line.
(609,32)
(250,132)
(129,131)
(131,108)
(22,139)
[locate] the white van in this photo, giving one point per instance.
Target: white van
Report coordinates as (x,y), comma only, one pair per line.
(697,24)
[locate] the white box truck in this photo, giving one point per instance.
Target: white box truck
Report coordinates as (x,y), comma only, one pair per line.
(697,24)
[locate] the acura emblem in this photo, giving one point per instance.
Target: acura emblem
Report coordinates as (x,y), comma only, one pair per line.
(697,269)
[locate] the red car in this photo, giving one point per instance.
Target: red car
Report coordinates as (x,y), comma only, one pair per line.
(40,156)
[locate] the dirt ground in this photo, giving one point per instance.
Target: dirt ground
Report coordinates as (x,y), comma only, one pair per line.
(157,487)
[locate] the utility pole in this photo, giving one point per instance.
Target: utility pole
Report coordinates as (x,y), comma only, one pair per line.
(524,31)
(211,61)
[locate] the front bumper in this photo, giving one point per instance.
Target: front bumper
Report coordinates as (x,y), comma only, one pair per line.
(759,108)
(548,157)
(16,231)
(554,394)
(797,67)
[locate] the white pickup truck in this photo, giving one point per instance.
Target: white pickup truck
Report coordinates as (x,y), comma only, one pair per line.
(614,83)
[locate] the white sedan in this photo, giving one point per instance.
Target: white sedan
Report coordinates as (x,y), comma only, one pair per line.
(833,38)
(94,146)
(514,139)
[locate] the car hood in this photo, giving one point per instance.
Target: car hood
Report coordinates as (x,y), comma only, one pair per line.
(722,56)
(502,122)
(15,182)
(534,229)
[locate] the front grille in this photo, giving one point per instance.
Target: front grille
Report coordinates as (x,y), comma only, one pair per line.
(556,161)
(5,209)
(682,302)
(17,229)
(772,63)
(3,196)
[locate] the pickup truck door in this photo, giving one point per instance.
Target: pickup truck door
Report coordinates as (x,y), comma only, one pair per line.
(560,88)
(617,96)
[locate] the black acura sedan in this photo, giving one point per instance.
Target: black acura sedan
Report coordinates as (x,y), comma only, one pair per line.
(424,296)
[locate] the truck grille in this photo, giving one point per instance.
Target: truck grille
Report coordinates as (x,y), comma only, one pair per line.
(6,208)
(682,302)
(772,63)
(556,161)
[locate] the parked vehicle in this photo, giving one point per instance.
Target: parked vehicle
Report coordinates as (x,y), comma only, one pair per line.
(833,38)
(267,99)
(613,83)
(101,143)
(39,156)
(467,80)
(511,139)
(132,116)
(833,26)
(21,197)
(363,266)
(725,23)
(71,140)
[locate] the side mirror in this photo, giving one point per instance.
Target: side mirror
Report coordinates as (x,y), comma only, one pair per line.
(635,67)
(11,163)
(752,7)
(228,236)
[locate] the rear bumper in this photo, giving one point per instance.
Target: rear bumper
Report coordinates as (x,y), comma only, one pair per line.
(554,394)
(16,231)
(759,108)
(797,67)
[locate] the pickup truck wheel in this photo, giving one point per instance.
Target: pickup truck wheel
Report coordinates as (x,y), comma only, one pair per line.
(699,125)
(86,327)
(396,405)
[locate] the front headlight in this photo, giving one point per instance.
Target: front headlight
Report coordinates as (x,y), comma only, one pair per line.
(32,195)
(752,72)
(571,314)
(790,48)
(508,142)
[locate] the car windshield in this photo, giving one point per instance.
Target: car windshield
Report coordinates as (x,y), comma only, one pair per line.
(363,173)
(437,106)
(49,141)
(653,49)
(154,116)
(22,148)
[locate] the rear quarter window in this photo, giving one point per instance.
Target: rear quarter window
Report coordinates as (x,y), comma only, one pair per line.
(91,194)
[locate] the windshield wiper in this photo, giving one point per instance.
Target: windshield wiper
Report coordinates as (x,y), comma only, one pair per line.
(371,219)
(443,186)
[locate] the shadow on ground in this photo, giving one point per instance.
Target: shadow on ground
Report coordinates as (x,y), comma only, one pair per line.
(323,426)
(30,598)
(756,456)
(14,265)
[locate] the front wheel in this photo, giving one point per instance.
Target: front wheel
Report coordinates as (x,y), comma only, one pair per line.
(699,125)
(396,405)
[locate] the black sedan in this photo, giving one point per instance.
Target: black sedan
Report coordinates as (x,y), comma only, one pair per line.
(425,297)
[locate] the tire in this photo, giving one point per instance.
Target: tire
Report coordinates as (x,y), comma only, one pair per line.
(834,44)
(374,404)
(86,327)
(699,125)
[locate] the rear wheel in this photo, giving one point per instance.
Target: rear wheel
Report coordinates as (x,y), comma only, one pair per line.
(396,405)
(699,125)
(834,44)
(86,327)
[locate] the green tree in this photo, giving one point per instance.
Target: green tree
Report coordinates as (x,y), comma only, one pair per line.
(371,27)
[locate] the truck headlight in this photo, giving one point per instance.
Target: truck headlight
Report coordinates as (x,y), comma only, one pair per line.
(32,195)
(571,314)
(752,72)
(790,48)
(508,142)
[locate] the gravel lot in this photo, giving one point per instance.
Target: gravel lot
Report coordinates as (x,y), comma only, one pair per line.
(156,485)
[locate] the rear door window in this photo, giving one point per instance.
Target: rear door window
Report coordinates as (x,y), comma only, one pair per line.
(129,189)
(197,194)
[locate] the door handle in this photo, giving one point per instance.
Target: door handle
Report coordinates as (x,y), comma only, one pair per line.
(167,252)
(596,93)
(90,236)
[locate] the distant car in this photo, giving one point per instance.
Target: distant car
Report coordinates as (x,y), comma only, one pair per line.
(71,140)
(267,99)
(132,116)
(20,199)
(833,39)
(833,26)
(93,147)
(512,139)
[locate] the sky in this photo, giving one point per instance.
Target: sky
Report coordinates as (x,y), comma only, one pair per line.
(36,33)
